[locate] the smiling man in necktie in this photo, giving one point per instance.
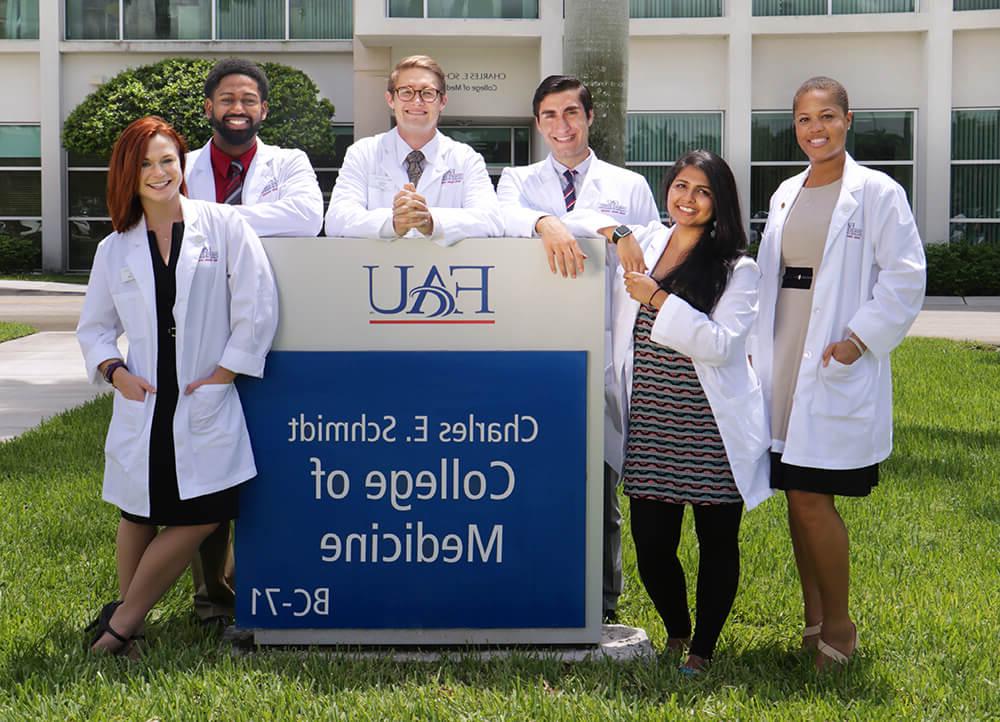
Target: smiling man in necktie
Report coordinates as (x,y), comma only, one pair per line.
(413,180)
(275,188)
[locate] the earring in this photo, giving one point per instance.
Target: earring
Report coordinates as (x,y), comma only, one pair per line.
(711,231)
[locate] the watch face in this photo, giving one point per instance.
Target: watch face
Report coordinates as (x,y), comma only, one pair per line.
(620,232)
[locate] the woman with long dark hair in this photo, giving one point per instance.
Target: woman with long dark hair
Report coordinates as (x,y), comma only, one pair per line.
(692,412)
(843,277)
(189,284)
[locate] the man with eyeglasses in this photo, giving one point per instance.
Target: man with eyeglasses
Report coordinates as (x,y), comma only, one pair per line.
(574,193)
(414,181)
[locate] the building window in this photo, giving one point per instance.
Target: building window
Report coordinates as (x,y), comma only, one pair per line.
(21,183)
(88,217)
(18,19)
(977,5)
(656,140)
(675,8)
(500,145)
(328,167)
(831,7)
(507,9)
(975,175)
(880,139)
(199,20)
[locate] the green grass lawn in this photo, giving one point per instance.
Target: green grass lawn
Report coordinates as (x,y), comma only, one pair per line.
(79,277)
(10,330)
(925,594)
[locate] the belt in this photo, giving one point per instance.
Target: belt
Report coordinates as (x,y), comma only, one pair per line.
(797,277)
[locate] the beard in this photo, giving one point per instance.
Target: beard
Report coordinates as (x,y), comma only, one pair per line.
(232,136)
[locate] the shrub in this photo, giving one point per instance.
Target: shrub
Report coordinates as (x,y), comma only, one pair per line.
(172,88)
(19,254)
(963,269)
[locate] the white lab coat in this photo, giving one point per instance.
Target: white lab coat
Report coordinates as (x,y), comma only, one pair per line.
(226,315)
(281,196)
(609,196)
(716,343)
(871,281)
(455,184)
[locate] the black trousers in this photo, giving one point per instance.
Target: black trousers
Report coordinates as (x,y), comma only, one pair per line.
(656,529)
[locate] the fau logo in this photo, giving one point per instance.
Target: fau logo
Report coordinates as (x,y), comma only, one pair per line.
(400,295)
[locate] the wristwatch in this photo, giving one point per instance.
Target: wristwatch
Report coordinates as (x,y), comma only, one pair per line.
(619,233)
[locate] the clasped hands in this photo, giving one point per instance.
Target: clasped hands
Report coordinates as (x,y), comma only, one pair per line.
(409,210)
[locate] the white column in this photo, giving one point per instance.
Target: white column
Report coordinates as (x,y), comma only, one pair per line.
(54,246)
(372,67)
(933,147)
(550,58)
(736,141)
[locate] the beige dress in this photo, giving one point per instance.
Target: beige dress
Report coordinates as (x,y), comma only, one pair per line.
(802,243)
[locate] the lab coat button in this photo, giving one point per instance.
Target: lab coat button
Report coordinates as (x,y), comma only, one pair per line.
(807,355)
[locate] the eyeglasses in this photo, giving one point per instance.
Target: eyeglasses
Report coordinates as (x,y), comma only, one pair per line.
(428,95)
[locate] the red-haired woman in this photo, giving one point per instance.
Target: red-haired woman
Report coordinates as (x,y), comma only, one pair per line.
(189,284)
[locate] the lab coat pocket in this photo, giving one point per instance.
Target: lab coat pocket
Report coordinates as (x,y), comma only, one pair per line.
(208,407)
(846,391)
(380,192)
(124,442)
(132,311)
(743,424)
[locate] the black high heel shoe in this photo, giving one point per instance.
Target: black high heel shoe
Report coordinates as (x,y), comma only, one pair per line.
(102,626)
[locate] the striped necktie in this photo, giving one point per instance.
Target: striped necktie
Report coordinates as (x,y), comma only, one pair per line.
(234,186)
(414,166)
(569,192)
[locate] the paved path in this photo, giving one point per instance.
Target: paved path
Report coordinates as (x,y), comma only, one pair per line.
(43,374)
(40,376)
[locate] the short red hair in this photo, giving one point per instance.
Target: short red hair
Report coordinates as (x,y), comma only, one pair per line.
(126,164)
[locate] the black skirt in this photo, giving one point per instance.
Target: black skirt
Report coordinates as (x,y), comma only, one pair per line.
(166,508)
(838,482)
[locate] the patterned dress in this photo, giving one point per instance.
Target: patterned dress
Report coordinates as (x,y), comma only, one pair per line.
(674,451)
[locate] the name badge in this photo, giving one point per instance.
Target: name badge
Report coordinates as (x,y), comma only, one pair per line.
(126,275)
(855,231)
(614,207)
(452,176)
(208,255)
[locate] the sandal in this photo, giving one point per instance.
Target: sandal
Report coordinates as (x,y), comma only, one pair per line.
(694,666)
(102,626)
(808,633)
(826,650)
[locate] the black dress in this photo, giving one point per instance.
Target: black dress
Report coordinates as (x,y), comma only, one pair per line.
(166,508)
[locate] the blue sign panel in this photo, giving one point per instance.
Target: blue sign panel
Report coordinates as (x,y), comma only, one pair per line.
(415,490)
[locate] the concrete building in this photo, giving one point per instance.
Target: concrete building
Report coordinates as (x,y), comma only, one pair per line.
(922,76)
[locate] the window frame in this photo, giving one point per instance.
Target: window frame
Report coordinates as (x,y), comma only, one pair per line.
(721,13)
(388,16)
(666,164)
(23,169)
(829,12)
(964,221)
(213,35)
(802,165)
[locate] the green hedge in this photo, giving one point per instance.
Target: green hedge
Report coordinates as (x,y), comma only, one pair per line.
(19,254)
(957,269)
(172,88)
(963,269)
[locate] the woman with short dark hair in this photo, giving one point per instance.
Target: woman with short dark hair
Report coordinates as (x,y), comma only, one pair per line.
(843,279)
(189,284)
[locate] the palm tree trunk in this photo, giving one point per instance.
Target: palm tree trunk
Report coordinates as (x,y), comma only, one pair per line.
(595,49)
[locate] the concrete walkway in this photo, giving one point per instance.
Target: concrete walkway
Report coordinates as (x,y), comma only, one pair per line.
(43,374)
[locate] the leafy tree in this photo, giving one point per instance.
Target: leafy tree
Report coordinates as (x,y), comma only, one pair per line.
(172,88)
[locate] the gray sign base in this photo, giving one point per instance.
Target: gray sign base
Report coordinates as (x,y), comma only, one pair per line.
(619,643)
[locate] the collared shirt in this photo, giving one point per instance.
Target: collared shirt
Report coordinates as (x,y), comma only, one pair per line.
(403,149)
(581,170)
(220,168)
